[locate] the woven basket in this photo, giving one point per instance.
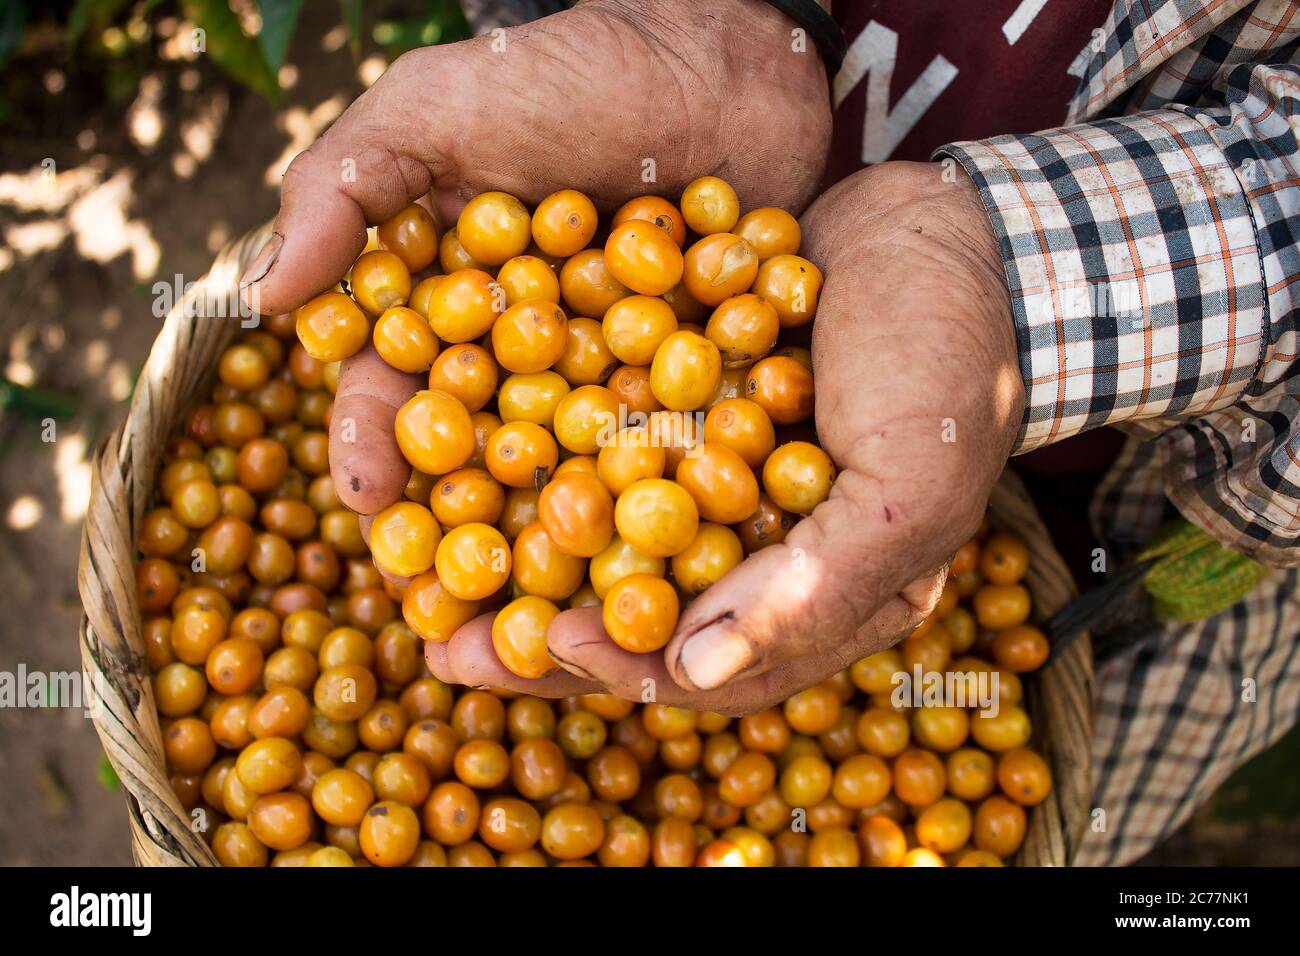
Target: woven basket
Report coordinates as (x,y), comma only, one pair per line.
(180,370)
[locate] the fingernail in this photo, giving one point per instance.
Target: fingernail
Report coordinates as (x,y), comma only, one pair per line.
(713,656)
(263,261)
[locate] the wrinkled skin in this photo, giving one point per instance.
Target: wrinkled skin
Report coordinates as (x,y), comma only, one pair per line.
(913,344)
(913,327)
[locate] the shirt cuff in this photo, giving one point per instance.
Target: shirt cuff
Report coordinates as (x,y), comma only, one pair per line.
(1135,275)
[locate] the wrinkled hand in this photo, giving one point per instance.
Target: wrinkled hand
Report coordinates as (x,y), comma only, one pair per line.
(583,100)
(919,398)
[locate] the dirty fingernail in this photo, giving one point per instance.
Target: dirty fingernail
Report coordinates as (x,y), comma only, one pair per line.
(263,261)
(714,656)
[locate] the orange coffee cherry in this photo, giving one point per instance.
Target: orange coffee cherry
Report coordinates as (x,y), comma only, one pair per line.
(419,300)
(744,328)
(494,227)
(341,797)
(798,476)
(432,611)
(542,569)
(463,306)
(999,826)
(723,486)
(572,831)
(882,841)
(765,527)
(657,210)
(781,387)
(1024,776)
(528,277)
(578,514)
(403,539)
(742,426)
(720,266)
(434,432)
(586,418)
(710,205)
(617,561)
(685,371)
(635,327)
(919,777)
(1021,649)
(519,636)
(531,398)
(521,455)
(643,257)
(412,235)
(404,340)
(1001,606)
(882,732)
(714,552)
(587,359)
(941,729)
(657,517)
(380,280)
(330,327)
(587,286)
(234,666)
(640,613)
(771,231)
(629,458)
(345,692)
(530,336)
(390,833)
(1008,729)
(467,373)
(563,223)
(452,254)
(631,386)
(473,561)
(520,511)
(945,826)
(791,284)
(465,495)
(1004,559)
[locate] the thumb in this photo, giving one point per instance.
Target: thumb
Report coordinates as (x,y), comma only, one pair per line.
(377,158)
(808,595)
(368,468)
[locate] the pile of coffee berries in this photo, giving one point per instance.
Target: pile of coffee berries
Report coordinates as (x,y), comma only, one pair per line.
(611,417)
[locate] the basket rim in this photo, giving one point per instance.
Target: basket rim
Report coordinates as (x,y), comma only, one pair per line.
(180,361)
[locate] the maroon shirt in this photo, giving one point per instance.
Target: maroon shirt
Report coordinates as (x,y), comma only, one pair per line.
(921,73)
(939,71)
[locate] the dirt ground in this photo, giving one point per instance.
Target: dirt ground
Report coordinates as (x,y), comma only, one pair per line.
(138,195)
(135,195)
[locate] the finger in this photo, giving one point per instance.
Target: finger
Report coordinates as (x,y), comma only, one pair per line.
(577,640)
(381,154)
(472,661)
(435,658)
(805,596)
(367,466)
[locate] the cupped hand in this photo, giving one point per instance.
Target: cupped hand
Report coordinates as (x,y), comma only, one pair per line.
(918,400)
(613,98)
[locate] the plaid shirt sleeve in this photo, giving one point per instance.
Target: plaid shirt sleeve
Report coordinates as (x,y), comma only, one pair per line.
(1153,262)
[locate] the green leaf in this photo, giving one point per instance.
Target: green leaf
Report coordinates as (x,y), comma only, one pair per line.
(351,11)
(230,48)
(13,17)
(86,12)
(107,776)
(279,21)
